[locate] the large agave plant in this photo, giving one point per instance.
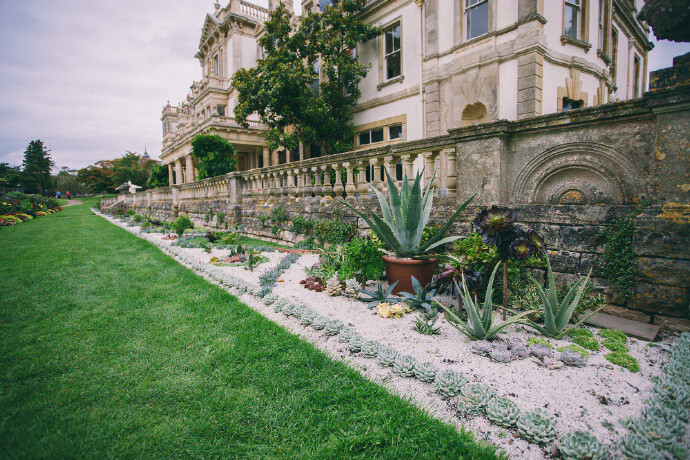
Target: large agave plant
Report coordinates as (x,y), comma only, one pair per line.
(405,217)
(480,324)
(579,445)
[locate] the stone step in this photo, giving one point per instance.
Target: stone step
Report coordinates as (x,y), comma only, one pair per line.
(632,328)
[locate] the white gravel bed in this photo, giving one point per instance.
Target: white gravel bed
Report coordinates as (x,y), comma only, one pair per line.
(593,398)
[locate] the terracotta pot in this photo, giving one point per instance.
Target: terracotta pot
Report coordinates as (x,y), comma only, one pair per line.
(402,270)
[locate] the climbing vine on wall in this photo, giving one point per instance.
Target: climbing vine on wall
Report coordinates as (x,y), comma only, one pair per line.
(619,264)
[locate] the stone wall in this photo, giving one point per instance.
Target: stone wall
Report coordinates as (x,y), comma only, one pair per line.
(569,175)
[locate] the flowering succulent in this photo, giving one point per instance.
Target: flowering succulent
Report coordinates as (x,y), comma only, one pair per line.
(404,365)
(334,327)
(387,356)
(448,383)
(345,335)
(579,445)
(370,348)
(474,397)
(319,322)
(426,372)
(502,412)
(356,342)
(536,426)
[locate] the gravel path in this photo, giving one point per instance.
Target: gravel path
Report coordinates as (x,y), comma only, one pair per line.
(593,398)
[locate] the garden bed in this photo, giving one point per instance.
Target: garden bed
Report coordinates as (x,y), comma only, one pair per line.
(593,398)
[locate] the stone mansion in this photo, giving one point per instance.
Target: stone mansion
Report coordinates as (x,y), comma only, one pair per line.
(438,65)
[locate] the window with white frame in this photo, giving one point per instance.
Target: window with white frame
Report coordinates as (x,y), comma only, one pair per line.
(371,136)
(476,18)
(395,132)
(571,18)
(392,55)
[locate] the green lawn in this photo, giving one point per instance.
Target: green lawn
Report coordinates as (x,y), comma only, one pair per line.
(110,348)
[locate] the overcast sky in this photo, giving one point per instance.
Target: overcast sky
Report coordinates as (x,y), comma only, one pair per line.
(89,78)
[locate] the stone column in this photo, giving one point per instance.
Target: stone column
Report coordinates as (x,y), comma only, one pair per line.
(430,167)
(171,174)
(362,186)
(350,188)
(408,167)
(178,172)
(530,85)
(189,169)
(317,188)
(267,157)
(327,188)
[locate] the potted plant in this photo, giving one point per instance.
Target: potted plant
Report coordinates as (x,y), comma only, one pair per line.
(405,214)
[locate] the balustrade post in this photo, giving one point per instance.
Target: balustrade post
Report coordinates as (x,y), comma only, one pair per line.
(452,172)
(361,186)
(350,188)
(408,167)
(318,187)
(308,183)
(338,188)
(171,175)
(430,167)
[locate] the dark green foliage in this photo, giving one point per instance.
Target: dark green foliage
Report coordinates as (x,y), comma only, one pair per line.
(282,86)
(107,175)
(181,224)
(424,324)
(614,334)
(216,155)
(422,299)
(159,177)
(362,261)
(615,344)
(618,263)
(301,225)
(589,343)
(10,176)
(65,181)
(378,295)
(36,166)
(149,360)
(279,214)
(333,230)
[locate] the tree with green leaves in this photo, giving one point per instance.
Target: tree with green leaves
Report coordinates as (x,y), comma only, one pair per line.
(285,89)
(107,175)
(216,155)
(10,175)
(36,168)
(159,177)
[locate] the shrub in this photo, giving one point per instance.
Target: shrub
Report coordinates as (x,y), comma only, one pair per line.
(279,214)
(362,261)
(181,224)
(333,230)
(302,225)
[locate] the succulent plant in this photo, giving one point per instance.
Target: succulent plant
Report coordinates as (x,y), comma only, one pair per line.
(356,342)
(424,324)
(334,327)
(673,388)
(404,365)
(493,224)
(426,372)
(503,412)
(263,292)
(370,348)
(668,405)
(638,447)
(501,354)
(669,419)
(448,383)
(387,310)
(297,310)
(319,322)
(380,296)
(308,316)
(345,335)
(536,426)
(334,286)
(279,304)
(573,358)
(521,248)
(287,309)
(474,397)
(352,288)
(678,370)
(579,445)
(481,347)
(540,350)
(387,356)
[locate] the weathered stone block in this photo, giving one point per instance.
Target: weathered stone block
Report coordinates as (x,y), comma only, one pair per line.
(658,298)
(627,313)
(663,243)
(581,239)
(564,261)
(675,272)
(672,324)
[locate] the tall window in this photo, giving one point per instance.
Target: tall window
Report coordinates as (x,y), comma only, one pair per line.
(636,76)
(392,52)
(477,17)
(572,18)
(602,22)
(614,54)
(215,65)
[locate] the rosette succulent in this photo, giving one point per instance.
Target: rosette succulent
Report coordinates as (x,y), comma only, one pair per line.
(334,327)
(319,322)
(495,224)
(370,348)
(536,426)
(287,309)
(638,447)
(482,347)
(502,412)
(387,356)
(279,304)
(668,418)
(573,358)
(579,445)
(308,316)
(404,365)
(426,372)
(474,398)
(345,335)
(448,383)
(521,248)
(356,342)
(671,406)
(540,350)
(501,354)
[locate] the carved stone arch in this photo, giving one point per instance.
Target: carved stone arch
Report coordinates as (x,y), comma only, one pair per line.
(578,173)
